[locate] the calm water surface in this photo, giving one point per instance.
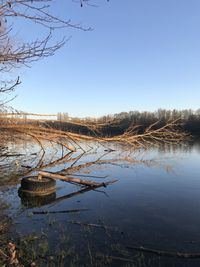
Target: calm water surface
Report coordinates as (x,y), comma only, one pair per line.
(154,204)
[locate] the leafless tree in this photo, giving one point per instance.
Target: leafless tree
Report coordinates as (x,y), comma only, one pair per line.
(14,54)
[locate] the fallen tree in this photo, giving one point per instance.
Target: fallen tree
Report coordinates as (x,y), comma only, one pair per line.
(72,147)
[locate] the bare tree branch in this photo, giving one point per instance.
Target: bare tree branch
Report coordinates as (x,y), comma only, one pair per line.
(16,54)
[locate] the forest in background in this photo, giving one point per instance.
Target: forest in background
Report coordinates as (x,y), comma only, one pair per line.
(117,124)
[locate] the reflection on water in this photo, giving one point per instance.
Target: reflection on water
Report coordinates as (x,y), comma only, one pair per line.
(186,147)
(31,202)
(148,206)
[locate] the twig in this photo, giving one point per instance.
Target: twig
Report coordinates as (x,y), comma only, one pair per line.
(167,253)
(59,211)
(119,258)
(89,224)
(90,254)
(3,254)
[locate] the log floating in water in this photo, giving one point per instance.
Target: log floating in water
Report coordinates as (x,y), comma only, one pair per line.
(84,175)
(167,253)
(70,179)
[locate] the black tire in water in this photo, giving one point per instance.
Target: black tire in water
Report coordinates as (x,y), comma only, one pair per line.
(34,192)
(33,184)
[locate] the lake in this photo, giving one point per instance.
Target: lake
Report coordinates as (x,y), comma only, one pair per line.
(154,204)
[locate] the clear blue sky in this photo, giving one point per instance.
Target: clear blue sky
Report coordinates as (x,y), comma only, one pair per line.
(141,55)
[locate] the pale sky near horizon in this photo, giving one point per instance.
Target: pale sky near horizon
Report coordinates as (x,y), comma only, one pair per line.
(141,55)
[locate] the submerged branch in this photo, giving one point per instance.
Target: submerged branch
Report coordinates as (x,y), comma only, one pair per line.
(58,211)
(167,253)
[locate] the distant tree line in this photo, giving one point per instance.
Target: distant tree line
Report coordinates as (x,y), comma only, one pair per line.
(110,125)
(189,120)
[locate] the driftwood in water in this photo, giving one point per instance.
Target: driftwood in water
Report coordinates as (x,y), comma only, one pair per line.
(90,224)
(69,179)
(86,175)
(59,211)
(167,253)
(119,258)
